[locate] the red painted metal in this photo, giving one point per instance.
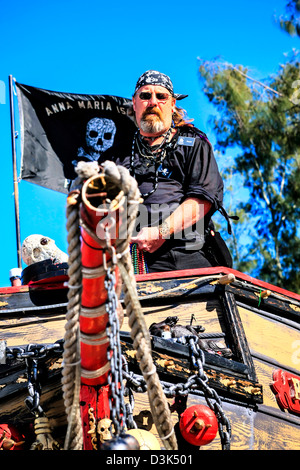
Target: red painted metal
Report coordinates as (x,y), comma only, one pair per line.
(93,319)
(95,366)
(96,401)
(198,425)
(286,387)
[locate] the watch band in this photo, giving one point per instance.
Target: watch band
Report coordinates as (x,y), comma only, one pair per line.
(164,230)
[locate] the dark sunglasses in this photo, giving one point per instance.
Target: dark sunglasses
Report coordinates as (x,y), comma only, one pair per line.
(146,96)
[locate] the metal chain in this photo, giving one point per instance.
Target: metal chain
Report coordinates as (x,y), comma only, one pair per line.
(121,413)
(38,351)
(114,353)
(210,394)
(34,387)
(193,384)
(131,424)
(33,354)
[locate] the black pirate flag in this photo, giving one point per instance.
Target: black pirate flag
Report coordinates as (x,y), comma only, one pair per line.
(60,129)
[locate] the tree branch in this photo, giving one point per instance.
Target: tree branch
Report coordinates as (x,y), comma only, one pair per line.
(254,80)
(258,82)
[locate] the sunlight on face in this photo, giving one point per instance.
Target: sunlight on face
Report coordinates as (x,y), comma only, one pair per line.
(153,115)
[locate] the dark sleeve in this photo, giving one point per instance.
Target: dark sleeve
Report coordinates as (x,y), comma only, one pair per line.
(203,179)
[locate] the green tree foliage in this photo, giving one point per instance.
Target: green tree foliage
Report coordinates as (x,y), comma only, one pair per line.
(261,120)
(290,22)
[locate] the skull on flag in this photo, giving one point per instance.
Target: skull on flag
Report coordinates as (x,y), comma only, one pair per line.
(100,134)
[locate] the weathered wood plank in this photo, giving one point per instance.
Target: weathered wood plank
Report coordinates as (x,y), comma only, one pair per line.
(264,372)
(271,338)
(34,331)
(271,433)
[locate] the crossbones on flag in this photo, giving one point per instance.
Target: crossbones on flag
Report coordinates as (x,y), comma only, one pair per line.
(60,129)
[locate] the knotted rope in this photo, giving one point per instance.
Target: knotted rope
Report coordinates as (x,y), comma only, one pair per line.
(115,177)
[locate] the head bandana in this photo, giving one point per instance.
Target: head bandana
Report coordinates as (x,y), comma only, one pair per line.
(152,77)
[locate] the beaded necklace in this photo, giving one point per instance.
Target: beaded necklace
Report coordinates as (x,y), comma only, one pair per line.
(158,155)
(138,260)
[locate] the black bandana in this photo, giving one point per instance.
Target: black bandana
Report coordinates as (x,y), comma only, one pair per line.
(152,77)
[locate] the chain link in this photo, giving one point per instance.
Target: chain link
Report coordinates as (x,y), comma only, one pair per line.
(210,394)
(38,351)
(194,383)
(33,355)
(34,387)
(114,354)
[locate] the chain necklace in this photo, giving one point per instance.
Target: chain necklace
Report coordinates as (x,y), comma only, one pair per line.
(152,151)
(158,155)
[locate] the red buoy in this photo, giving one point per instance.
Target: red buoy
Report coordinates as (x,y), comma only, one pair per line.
(198,425)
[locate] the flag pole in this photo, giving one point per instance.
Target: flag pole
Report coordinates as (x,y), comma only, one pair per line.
(15,173)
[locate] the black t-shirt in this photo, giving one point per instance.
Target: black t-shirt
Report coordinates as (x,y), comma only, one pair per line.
(189,169)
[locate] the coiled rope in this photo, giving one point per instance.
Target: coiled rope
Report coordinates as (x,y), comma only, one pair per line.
(119,177)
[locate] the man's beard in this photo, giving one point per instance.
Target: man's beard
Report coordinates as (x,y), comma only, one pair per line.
(152,124)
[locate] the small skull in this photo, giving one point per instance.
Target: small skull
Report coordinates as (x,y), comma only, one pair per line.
(104,429)
(100,134)
(37,248)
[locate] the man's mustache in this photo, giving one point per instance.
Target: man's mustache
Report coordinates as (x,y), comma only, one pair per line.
(151,111)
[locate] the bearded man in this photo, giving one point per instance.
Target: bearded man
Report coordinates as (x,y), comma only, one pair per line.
(178,177)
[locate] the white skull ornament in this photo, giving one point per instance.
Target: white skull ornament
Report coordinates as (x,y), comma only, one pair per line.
(104,429)
(37,248)
(100,134)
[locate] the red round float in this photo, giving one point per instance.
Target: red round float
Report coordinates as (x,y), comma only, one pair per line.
(198,425)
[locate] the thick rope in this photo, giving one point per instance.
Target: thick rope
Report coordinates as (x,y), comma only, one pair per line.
(71,355)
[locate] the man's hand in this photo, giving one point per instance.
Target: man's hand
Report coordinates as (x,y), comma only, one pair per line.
(188,213)
(148,239)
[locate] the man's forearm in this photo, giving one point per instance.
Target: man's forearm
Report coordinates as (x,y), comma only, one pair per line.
(186,215)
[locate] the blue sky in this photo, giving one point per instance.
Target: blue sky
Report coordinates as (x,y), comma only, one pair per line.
(98,47)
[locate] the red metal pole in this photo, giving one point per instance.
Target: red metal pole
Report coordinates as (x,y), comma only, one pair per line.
(96,218)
